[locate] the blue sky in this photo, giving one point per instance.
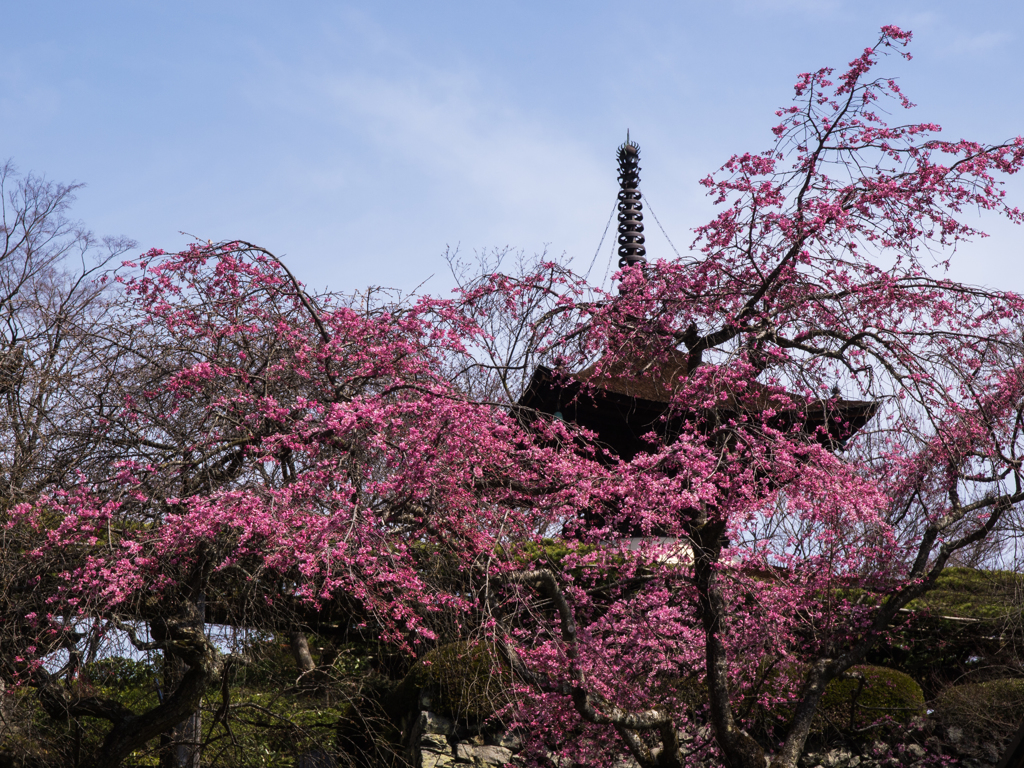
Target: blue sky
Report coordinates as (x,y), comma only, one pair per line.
(362,139)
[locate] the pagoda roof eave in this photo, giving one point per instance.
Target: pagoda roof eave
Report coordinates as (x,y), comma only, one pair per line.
(620,418)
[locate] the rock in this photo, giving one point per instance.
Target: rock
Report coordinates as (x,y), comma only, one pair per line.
(916,752)
(431,723)
(483,755)
(837,758)
(878,749)
(507,740)
(435,743)
(432,760)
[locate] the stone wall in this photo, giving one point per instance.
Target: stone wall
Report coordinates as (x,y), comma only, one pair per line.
(437,742)
(961,744)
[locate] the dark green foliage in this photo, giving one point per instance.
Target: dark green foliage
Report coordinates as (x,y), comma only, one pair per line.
(277,716)
(937,652)
(269,664)
(986,711)
(970,616)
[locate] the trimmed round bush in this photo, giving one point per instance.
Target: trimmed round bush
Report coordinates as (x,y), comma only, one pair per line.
(884,696)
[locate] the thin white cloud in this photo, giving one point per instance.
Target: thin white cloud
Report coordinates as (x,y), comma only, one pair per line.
(506,172)
(446,125)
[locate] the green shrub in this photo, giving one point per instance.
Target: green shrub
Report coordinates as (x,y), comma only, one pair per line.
(883,695)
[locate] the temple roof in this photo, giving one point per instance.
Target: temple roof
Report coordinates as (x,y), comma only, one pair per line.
(652,379)
(621,409)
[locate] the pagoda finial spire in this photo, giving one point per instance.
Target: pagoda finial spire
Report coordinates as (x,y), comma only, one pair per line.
(631,220)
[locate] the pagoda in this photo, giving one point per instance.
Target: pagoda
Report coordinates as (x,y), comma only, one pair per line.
(625,401)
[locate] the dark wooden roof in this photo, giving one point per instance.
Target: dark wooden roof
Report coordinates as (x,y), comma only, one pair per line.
(655,379)
(621,403)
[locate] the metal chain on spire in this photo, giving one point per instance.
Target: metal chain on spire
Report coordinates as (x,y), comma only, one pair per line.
(608,269)
(658,222)
(603,235)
